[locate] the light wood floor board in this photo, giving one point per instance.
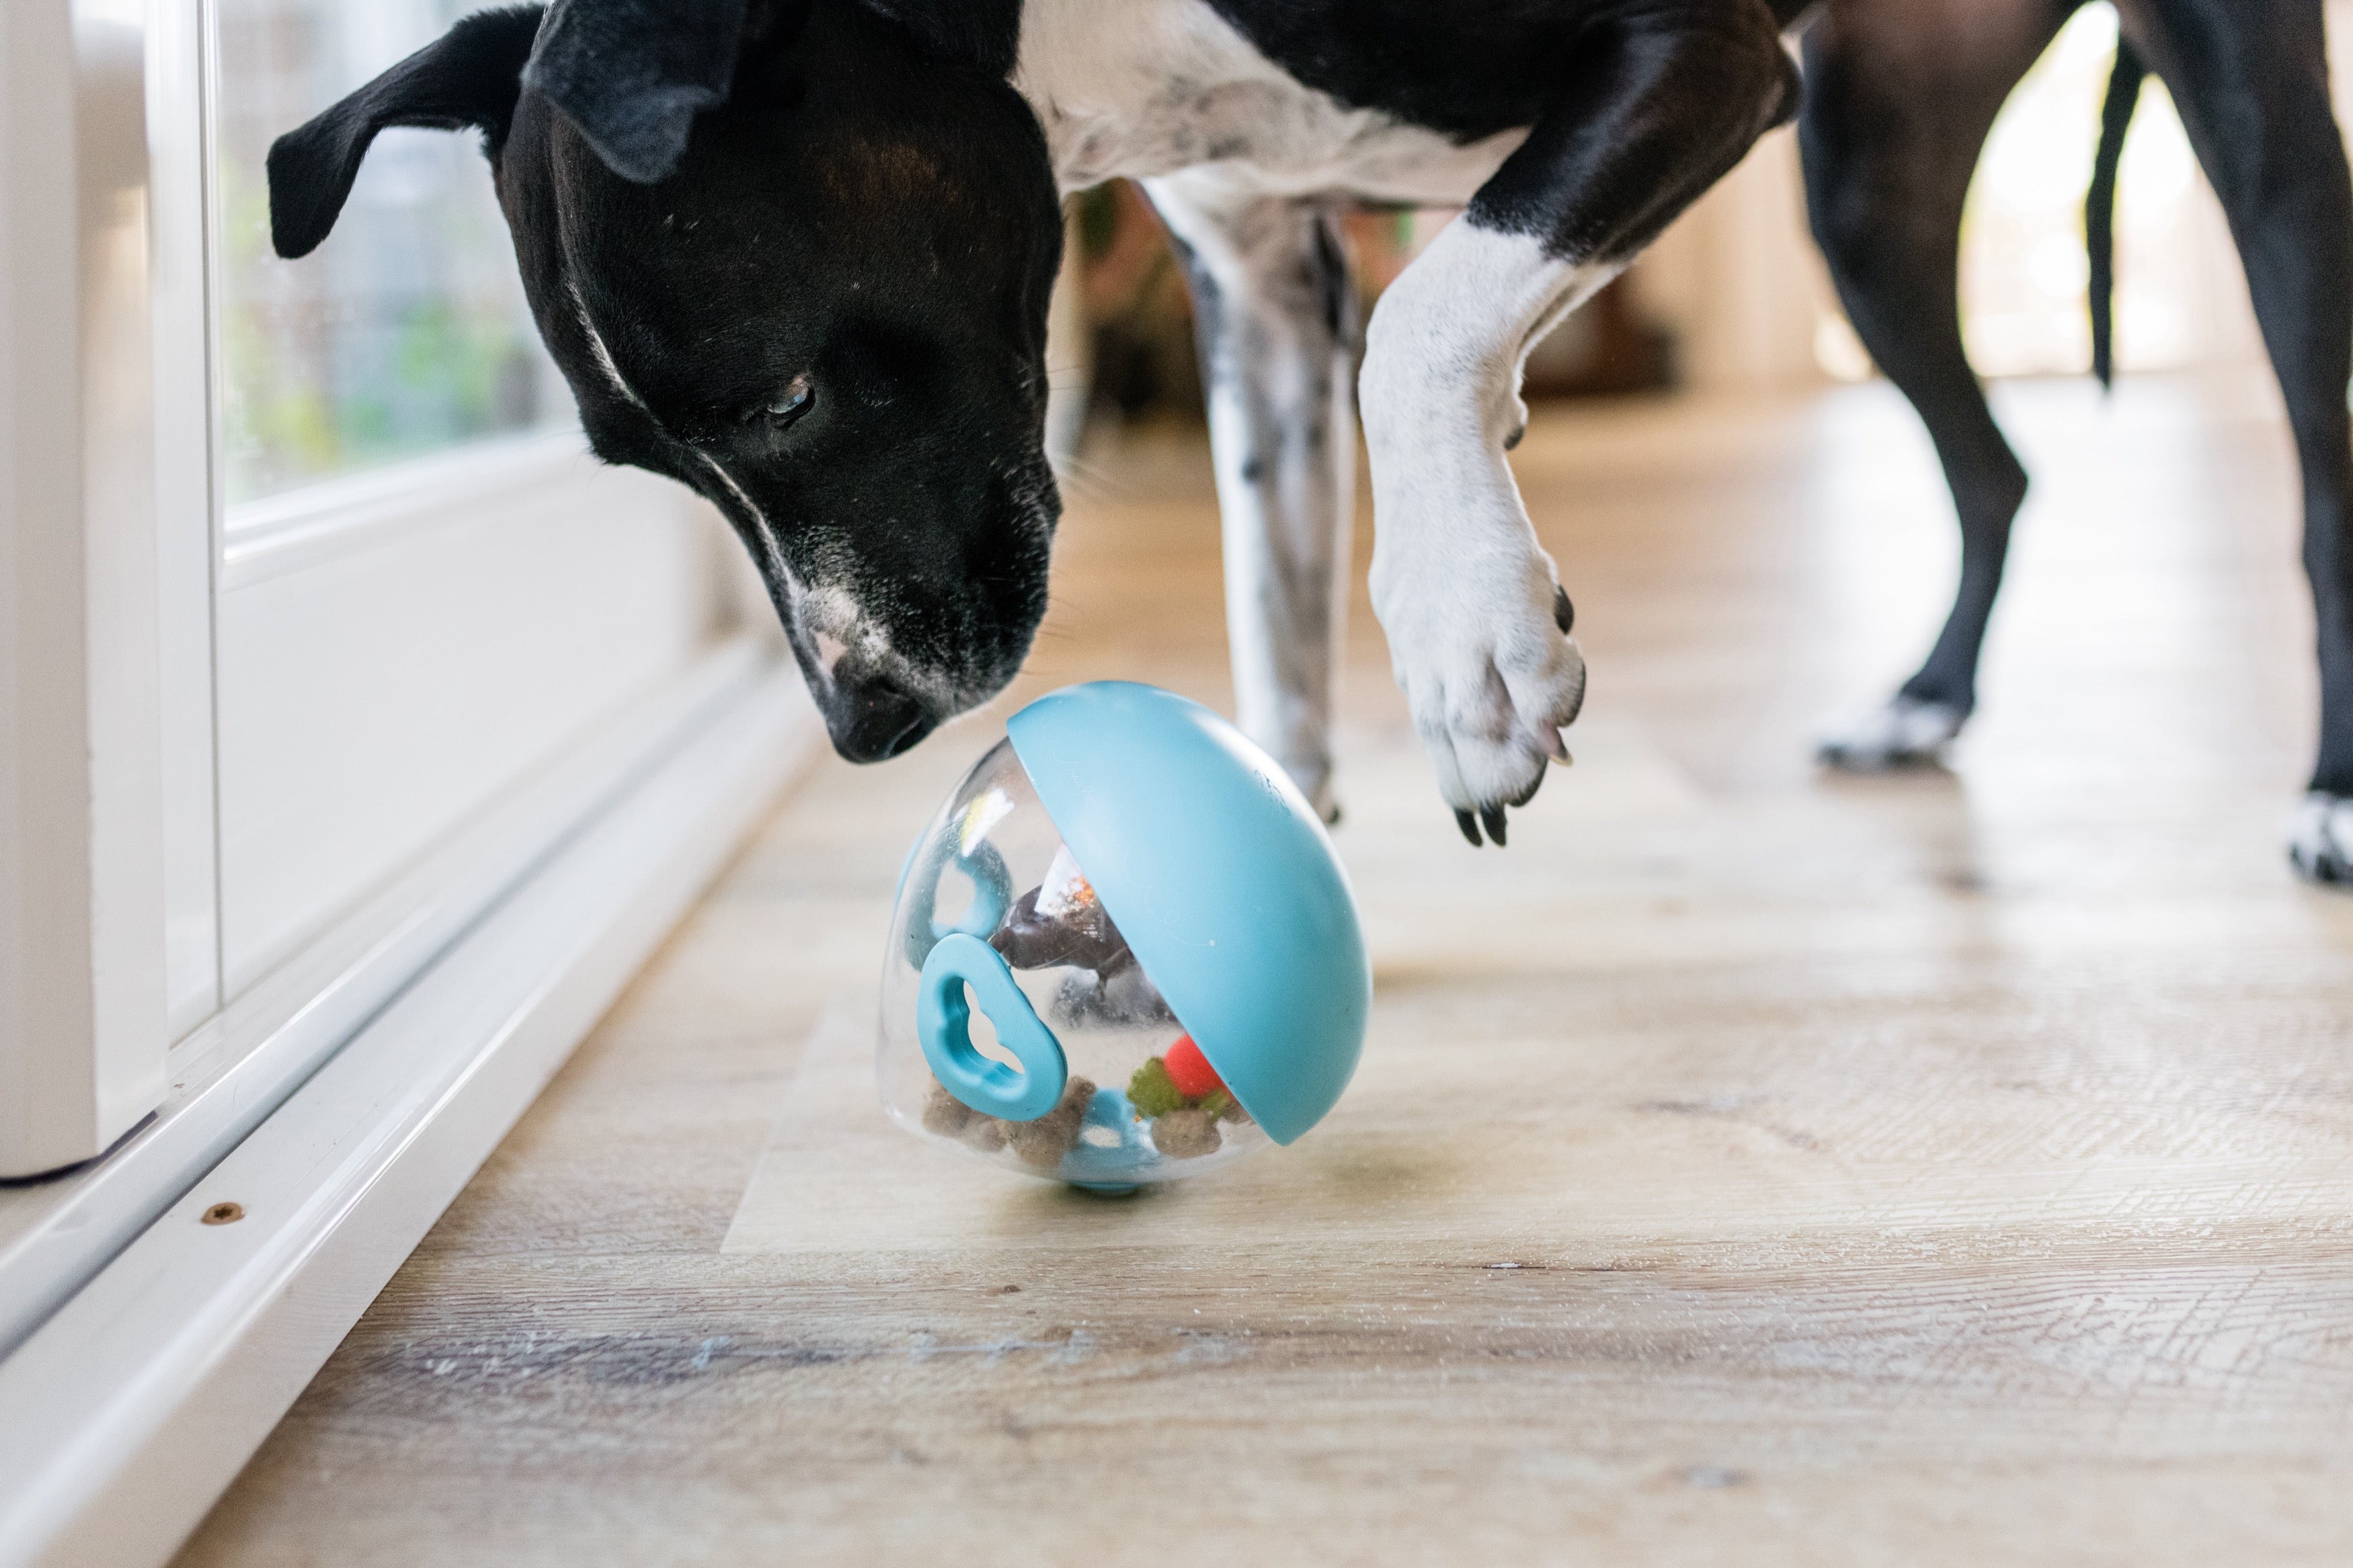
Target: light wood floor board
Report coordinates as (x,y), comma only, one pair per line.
(1748,1166)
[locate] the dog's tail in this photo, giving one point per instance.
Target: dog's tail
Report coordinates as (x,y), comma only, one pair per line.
(2100,203)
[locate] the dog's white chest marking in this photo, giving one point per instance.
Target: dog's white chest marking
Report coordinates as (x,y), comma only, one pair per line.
(1151,87)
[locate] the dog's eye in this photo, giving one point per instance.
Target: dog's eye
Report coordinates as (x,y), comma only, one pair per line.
(787,405)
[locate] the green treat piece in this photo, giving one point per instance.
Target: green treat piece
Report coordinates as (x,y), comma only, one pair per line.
(1152,1092)
(1216,1104)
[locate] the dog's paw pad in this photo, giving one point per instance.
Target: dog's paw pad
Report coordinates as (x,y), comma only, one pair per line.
(2320,844)
(1899,733)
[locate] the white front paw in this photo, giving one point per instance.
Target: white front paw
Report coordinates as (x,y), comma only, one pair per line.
(1491,674)
(1904,732)
(2321,842)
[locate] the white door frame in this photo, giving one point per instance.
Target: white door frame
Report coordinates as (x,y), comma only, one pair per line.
(340,1093)
(83,1033)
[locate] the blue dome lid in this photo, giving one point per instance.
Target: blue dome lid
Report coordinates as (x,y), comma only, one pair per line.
(1226,886)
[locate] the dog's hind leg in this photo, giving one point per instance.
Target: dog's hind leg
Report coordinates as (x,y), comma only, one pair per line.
(1899,98)
(1655,103)
(1275,311)
(2251,80)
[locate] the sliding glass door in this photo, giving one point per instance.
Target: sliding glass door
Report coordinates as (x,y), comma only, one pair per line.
(324,578)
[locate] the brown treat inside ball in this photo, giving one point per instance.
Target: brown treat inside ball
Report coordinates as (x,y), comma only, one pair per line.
(944,1113)
(986,1133)
(1222,1106)
(1186,1134)
(1044,1141)
(1083,937)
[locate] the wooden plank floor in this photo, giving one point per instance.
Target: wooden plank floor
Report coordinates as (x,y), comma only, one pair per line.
(1747,1165)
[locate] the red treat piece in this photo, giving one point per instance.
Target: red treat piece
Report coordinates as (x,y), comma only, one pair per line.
(1189,1071)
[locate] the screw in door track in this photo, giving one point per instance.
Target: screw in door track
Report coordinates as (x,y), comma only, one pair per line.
(223,1213)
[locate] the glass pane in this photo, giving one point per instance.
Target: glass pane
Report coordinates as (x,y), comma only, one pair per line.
(407,330)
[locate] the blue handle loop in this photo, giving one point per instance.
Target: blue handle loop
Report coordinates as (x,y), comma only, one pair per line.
(992,895)
(943,1023)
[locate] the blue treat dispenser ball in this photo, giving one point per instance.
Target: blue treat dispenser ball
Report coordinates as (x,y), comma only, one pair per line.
(1123,952)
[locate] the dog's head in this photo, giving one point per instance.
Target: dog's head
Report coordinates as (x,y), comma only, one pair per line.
(796,255)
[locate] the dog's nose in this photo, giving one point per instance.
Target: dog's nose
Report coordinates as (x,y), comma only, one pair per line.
(874,719)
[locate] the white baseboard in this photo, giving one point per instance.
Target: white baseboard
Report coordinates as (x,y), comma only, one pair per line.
(240,1065)
(135,1403)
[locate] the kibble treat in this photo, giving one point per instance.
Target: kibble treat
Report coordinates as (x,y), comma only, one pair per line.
(1123,952)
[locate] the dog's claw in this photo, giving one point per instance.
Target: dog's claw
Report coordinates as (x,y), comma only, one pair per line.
(1492,815)
(1564,614)
(1470,826)
(1558,748)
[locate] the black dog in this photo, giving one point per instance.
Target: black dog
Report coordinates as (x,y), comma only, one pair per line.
(1899,98)
(796,254)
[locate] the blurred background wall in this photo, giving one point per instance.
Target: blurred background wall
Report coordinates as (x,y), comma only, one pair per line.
(1734,299)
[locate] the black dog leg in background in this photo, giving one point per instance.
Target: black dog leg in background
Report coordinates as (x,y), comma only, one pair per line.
(1899,99)
(2251,80)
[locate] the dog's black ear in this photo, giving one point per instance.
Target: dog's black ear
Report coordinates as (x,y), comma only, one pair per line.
(468,80)
(631,75)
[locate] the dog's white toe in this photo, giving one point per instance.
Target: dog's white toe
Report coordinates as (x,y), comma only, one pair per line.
(2320,844)
(1902,732)
(1490,695)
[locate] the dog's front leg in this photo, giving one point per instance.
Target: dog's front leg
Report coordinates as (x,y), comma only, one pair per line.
(1655,105)
(1277,321)
(1477,621)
